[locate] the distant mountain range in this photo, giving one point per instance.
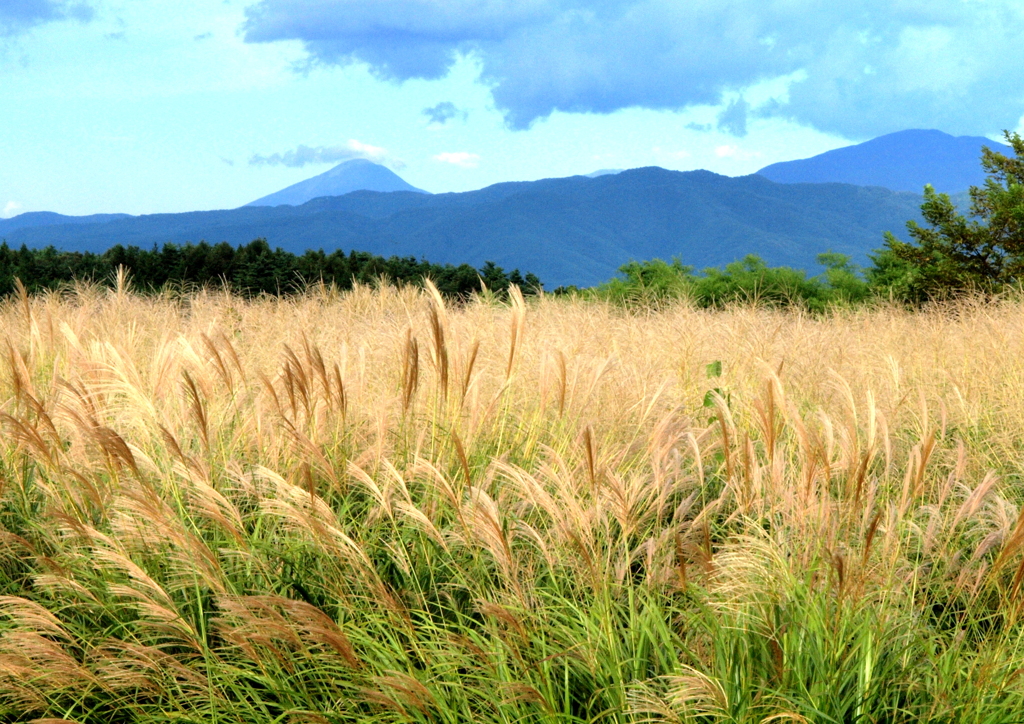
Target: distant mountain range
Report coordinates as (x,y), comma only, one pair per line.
(903,161)
(33,219)
(574,230)
(355,175)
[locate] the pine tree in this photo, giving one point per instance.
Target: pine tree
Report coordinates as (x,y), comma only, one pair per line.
(955,253)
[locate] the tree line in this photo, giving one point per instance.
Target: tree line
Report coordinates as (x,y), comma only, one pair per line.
(248,270)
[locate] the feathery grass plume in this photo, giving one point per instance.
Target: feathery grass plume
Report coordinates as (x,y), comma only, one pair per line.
(410,370)
(467,369)
(516,325)
(439,349)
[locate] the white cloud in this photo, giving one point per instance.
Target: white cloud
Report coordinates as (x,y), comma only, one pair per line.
(736,153)
(459,158)
(12,208)
(365,150)
(303,155)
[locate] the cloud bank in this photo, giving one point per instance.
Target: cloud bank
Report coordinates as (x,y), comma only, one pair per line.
(865,66)
(17,16)
(304,155)
(459,158)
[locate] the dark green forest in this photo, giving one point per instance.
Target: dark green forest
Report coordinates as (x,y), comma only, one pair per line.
(248,270)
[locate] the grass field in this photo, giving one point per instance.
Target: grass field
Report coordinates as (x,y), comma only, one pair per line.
(374,507)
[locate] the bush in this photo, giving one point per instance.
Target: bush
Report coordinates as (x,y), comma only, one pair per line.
(650,283)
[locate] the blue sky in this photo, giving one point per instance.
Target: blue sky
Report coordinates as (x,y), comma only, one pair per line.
(146,106)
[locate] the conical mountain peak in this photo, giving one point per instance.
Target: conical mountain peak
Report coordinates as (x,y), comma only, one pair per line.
(357,174)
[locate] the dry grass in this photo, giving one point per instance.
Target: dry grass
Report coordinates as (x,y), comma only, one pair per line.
(374,507)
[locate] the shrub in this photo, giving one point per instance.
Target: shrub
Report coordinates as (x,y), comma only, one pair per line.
(748,281)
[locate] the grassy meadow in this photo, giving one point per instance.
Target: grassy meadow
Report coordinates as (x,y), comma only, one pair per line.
(375,506)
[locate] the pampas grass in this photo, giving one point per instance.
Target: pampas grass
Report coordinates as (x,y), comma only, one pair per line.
(375,506)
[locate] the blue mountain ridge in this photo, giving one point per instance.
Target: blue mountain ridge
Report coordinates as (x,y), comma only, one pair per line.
(31,219)
(902,161)
(574,230)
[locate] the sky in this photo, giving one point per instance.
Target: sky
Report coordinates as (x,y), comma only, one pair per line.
(152,106)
